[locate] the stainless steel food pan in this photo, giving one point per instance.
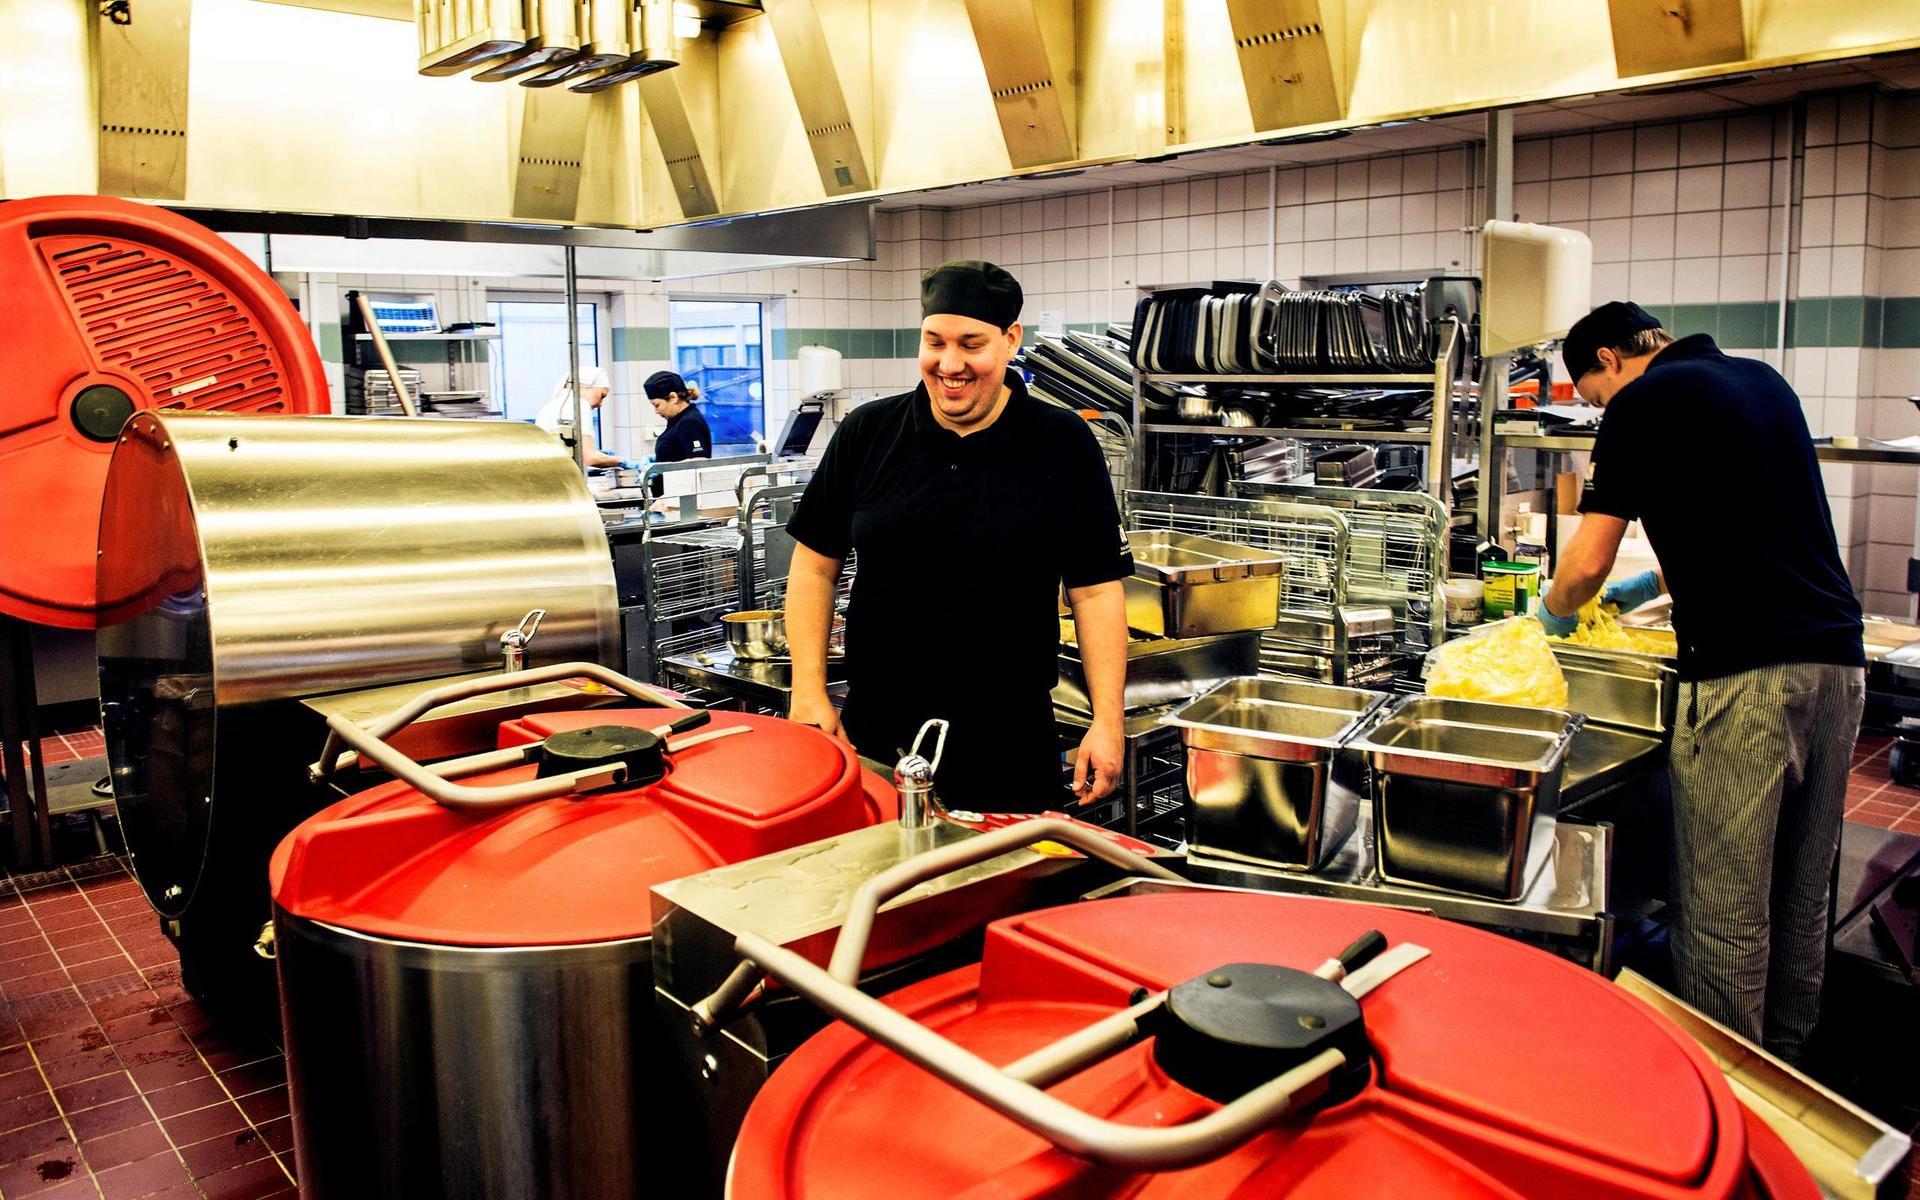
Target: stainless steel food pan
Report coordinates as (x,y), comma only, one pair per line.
(1188,586)
(1457,788)
(1258,755)
(1163,671)
(1620,688)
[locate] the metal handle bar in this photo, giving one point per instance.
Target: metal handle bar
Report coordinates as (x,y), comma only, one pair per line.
(851,948)
(1127,1147)
(433,781)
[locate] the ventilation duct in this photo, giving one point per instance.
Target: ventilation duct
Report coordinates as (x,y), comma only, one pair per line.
(1027,49)
(650,33)
(554,26)
(1287,53)
(1651,37)
(818,93)
(458,35)
(546,172)
(142,95)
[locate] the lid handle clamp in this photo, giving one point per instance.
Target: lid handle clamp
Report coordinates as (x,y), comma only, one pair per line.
(514,642)
(913,777)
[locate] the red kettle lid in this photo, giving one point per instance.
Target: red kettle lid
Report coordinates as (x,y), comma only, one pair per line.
(574,869)
(1500,1071)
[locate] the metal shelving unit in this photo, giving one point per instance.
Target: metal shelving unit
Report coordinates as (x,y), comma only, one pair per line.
(1437,435)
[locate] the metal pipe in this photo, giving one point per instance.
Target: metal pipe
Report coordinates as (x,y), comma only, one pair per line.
(386,352)
(1796,130)
(573,361)
(851,948)
(1110,1143)
(1050,1064)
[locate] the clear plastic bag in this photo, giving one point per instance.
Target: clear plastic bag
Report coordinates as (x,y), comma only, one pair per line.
(1507,662)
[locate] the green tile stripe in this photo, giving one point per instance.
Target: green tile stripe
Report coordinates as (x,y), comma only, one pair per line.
(330,344)
(1838,321)
(641,343)
(851,343)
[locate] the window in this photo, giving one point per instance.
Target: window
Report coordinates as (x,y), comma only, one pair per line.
(530,359)
(716,347)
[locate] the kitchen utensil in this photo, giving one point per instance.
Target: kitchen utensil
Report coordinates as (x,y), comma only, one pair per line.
(757,634)
(1187,586)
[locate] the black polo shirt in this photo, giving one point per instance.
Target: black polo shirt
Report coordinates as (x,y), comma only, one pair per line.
(686,436)
(963,544)
(1744,538)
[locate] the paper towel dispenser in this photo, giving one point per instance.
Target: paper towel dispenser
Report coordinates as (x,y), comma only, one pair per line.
(1537,282)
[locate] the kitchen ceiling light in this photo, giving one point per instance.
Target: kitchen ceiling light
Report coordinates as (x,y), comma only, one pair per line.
(686,22)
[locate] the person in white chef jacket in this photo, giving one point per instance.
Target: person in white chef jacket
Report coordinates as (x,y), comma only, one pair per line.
(557,416)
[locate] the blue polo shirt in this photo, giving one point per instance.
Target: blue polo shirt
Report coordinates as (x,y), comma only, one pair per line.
(1711,454)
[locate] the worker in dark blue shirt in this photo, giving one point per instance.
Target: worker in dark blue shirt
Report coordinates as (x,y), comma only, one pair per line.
(1771,663)
(686,435)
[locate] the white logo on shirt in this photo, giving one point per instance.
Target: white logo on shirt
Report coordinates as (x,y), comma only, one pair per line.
(697,445)
(1126,546)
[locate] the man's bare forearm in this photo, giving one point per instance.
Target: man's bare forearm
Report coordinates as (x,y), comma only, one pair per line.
(1100,624)
(810,589)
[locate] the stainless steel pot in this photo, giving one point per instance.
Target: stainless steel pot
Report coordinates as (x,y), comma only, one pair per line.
(757,634)
(559,1041)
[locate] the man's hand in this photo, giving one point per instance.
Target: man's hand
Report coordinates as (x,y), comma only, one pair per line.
(817,711)
(1096,769)
(1633,591)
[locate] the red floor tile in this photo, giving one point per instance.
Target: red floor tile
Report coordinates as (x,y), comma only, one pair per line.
(255,1077)
(165,1043)
(185,1097)
(44,1139)
(124,1146)
(262,1107)
(97,1122)
(40,1179)
(221,1154)
(32,1109)
(70,1041)
(80,1186)
(202,1123)
(147,1177)
(90,1093)
(22,1082)
(278,1135)
(77,1067)
(154,1076)
(255,1181)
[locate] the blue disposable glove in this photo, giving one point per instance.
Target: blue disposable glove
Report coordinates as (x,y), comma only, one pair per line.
(1555,626)
(1633,591)
(628,464)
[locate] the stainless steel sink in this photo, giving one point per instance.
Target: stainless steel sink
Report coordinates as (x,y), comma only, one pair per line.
(1258,755)
(1458,786)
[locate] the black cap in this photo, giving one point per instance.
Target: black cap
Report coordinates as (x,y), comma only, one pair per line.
(968,287)
(661,383)
(1612,324)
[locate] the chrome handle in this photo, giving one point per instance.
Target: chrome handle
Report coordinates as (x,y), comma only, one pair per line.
(434,781)
(851,948)
(913,777)
(514,642)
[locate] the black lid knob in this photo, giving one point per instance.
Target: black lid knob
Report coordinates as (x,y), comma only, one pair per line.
(1240,1025)
(639,750)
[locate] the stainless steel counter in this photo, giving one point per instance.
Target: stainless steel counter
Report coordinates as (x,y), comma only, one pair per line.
(760,685)
(1600,758)
(1567,896)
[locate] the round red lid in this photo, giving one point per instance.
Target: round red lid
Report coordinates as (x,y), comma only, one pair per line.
(392,863)
(1501,1071)
(112,307)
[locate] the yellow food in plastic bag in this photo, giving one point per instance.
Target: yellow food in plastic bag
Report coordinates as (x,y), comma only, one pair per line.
(1507,663)
(1600,630)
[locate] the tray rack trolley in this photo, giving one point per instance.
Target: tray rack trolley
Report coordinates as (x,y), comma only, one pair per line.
(1396,553)
(1306,640)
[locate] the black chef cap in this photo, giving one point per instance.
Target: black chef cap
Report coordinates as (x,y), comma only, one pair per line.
(661,383)
(970,288)
(1612,325)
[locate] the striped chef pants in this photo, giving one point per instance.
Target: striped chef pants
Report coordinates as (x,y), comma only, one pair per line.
(1759,769)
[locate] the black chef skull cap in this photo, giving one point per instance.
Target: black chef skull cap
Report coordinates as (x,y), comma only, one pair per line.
(1612,325)
(661,384)
(968,287)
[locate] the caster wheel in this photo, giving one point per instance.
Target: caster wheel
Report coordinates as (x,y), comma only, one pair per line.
(1903,763)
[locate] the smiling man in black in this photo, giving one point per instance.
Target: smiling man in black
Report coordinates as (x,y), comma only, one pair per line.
(969,505)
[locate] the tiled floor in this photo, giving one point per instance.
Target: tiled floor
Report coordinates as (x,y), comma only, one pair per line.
(1875,799)
(67,747)
(112,1085)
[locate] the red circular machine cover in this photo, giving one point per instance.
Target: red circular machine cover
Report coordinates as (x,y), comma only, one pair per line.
(95,290)
(1502,1073)
(572,870)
